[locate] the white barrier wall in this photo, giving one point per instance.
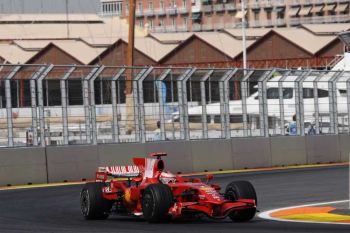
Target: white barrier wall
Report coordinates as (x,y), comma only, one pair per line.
(76,163)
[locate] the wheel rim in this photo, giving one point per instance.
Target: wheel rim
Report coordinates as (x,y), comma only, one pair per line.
(85,203)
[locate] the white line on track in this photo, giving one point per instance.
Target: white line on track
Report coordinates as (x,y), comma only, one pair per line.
(267,214)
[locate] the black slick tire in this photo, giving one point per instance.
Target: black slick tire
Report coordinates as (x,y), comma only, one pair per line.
(241,190)
(93,205)
(156,202)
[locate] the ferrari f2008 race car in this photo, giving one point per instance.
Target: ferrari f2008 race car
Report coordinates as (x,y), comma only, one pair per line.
(157,195)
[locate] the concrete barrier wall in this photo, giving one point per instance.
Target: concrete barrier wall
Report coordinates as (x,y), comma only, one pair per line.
(251,152)
(22,166)
(122,154)
(322,149)
(74,163)
(344,147)
(288,151)
(179,157)
(212,156)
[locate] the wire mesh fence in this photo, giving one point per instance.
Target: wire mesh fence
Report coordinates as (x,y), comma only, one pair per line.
(42,105)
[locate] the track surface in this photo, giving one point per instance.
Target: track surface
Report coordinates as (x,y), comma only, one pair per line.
(56,209)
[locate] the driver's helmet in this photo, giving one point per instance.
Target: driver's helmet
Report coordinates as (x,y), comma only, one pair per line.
(167,177)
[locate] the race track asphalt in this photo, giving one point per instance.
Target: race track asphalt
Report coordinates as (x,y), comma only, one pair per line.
(56,209)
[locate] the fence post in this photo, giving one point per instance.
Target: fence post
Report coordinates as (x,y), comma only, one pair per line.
(348,102)
(204,103)
(9,104)
(93,105)
(34,103)
(64,103)
(41,104)
(281,100)
(159,86)
(263,110)
(115,126)
(86,102)
(333,109)
(141,105)
(316,104)
(299,102)
(224,103)
(183,106)
(244,90)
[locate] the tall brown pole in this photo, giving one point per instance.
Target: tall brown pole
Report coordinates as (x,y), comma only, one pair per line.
(131,44)
(129,100)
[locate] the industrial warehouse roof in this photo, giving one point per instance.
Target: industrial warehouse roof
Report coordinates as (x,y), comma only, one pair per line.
(250,32)
(49,18)
(13,54)
(172,37)
(305,39)
(86,37)
(111,27)
(223,42)
(79,50)
(33,45)
(322,29)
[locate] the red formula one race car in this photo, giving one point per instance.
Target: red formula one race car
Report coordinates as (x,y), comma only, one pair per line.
(156,195)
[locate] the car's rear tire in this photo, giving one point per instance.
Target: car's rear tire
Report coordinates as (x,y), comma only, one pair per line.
(156,202)
(241,190)
(93,205)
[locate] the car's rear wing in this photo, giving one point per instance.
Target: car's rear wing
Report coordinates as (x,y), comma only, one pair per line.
(118,172)
(144,168)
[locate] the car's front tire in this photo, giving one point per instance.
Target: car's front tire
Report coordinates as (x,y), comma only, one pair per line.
(93,205)
(156,202)
(241,190)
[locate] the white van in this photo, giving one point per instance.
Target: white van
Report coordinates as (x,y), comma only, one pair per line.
(273,103)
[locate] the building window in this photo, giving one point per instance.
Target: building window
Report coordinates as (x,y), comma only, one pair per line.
(161,22)
(184,3)
(150,6)
(268,15)
(112,8)
(140,6)
(161,4)
(141,23)
(185,19)
(256,15)
(209,20)
(151,23)
(173,21)
(280,14)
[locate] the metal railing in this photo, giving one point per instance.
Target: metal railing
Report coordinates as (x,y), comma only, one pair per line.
(45,105)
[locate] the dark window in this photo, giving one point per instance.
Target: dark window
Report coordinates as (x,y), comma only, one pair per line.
(322,93)
(272,93)
(75,95)
(308,93)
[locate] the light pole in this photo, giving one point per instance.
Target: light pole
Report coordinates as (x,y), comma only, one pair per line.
(244,48)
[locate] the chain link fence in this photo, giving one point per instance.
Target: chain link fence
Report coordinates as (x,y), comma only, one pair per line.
(43,105)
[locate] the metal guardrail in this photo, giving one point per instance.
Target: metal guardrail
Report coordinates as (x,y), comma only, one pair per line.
(43,105)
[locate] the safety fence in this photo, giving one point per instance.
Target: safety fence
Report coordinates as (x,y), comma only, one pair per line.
(43,105)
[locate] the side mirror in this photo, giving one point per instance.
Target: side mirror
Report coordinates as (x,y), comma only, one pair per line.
(209,177)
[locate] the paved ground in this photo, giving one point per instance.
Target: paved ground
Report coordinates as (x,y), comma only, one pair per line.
(56,209)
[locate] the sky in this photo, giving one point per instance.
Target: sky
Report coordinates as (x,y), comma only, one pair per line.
(49,6)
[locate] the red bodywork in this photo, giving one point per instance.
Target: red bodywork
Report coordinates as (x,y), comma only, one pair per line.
(191,195)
